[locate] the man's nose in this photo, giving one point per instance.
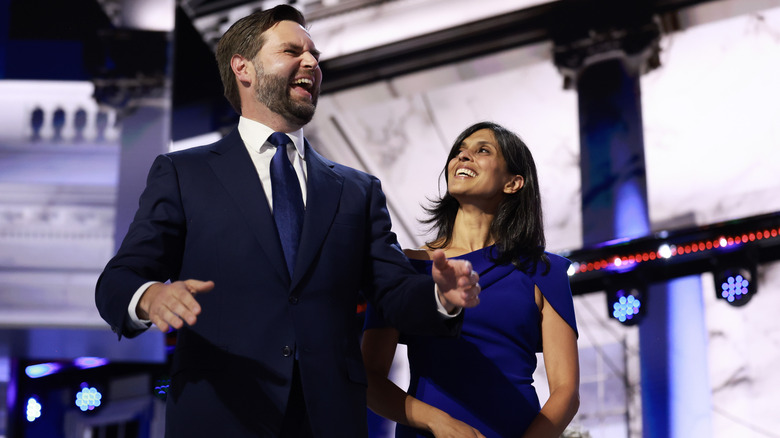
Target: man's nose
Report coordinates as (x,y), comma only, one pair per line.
(309,60)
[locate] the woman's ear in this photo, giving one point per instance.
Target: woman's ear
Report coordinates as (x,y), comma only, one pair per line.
(514,185)
(243,69)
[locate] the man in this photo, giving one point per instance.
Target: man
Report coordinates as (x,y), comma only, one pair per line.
(267,344)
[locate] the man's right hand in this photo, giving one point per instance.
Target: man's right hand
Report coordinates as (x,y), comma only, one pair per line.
(171,305)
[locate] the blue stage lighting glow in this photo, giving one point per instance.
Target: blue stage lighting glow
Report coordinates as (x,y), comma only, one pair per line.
(734,288)
(41,369)
(626,306)
(161,388)
(88,398)
(33,409)
(89,362)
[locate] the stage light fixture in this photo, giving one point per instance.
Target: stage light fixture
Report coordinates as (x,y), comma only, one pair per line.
(33,409)
(626,304)
(736,284)
(88,398)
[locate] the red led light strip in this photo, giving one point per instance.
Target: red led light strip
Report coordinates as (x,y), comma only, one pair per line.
(688,248)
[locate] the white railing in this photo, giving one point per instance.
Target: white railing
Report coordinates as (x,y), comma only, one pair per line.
(62,111)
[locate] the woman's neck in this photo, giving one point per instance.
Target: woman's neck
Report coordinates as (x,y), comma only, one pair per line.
(471,231)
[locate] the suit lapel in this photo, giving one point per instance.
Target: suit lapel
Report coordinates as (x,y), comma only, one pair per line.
(234,169)
(323,191)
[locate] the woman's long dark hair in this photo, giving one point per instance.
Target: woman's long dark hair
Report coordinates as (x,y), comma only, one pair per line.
(518,228)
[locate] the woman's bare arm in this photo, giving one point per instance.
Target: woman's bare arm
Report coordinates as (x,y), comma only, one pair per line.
(388,400)
(561,363)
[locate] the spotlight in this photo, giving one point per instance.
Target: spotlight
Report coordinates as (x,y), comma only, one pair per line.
(736,285)
(626,304)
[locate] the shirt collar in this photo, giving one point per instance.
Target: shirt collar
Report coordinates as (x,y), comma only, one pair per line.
(255,135)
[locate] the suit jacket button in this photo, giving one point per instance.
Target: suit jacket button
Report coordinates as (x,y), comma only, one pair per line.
(293,300)
(286,351)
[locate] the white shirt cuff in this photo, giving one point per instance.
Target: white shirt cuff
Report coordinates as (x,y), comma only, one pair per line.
(135,322)
(441,308)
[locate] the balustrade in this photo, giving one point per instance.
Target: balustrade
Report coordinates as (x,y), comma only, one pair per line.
(54,111)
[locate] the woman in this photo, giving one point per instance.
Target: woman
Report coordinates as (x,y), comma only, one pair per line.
(480,384)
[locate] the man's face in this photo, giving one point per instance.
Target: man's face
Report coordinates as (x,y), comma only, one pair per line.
(288,73)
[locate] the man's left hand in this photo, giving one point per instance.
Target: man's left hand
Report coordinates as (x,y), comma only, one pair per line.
(457,285)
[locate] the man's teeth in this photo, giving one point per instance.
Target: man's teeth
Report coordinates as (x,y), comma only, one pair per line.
(465,172)
(303,81)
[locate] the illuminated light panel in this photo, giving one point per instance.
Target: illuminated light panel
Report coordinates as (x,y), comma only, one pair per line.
(34,409)
(41,369)
(88,398)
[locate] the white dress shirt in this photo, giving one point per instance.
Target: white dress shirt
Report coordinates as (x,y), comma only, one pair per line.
(255,136)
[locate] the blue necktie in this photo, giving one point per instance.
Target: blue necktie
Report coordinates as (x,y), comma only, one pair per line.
(287,199)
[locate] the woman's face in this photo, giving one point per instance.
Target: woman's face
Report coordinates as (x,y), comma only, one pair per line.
(479,173)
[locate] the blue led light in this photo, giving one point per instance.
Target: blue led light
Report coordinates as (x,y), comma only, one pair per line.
(33,409)
(88,398)
(626,307)
(734,288)
(41,369)
(736,285)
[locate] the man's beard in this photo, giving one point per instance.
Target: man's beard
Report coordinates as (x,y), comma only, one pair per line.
(272,91)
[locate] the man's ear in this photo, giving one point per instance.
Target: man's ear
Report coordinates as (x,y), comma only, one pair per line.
(243,69)
(514,185)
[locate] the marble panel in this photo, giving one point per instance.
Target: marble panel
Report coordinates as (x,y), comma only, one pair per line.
(744,350)
(403,136)
(712,137)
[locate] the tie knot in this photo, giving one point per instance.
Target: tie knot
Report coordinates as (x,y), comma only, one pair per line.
(279,139)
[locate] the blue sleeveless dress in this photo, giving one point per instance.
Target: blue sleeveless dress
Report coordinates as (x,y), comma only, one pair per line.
(484,377)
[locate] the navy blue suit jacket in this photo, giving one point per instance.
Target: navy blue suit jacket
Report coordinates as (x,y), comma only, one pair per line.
(204,215)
